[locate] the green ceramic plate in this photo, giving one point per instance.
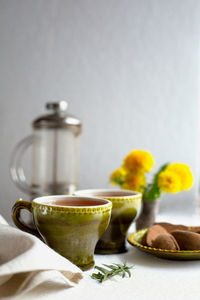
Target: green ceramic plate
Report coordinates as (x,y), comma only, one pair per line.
(135,240)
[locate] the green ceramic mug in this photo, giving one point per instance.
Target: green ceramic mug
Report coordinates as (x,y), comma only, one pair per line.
(71,225)
(126,206)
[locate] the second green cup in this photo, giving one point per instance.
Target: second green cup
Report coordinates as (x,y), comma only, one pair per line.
(126,206)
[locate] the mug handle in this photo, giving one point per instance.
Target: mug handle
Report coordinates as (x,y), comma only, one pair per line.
(16,216)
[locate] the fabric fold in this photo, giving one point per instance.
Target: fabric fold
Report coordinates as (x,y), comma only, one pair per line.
(26,262)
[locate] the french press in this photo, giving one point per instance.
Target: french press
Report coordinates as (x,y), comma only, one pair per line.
(55,154)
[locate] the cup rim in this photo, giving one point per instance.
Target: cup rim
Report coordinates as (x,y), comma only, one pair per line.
(38,200)
(109,193)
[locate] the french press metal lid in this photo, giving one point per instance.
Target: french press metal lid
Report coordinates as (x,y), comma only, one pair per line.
(58,119)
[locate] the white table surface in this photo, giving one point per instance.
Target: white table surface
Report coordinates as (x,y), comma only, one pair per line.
(152,277)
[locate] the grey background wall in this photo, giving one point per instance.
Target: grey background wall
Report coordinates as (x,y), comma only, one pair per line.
(129,69)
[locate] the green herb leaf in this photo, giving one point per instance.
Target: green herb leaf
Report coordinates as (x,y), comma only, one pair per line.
(152,191)
(110,271)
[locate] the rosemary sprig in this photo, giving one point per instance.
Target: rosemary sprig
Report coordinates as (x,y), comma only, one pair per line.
(110,271)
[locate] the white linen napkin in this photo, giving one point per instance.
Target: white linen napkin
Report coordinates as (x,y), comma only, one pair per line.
(26,263)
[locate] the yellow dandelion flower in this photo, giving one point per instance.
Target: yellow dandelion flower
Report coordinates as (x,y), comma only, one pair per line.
(117,176)
(169,182)
(185,174)
(139,161)
(134,182)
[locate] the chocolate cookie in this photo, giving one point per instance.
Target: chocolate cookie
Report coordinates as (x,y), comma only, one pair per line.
(171,227)
(165,241)
(152,234)
(187,240)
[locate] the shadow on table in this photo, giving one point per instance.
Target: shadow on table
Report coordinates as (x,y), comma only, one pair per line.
(136,257)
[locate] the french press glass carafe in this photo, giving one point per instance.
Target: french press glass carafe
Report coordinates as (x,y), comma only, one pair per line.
(55,154)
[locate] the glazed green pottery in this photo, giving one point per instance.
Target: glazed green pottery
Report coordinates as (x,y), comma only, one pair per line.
(135,239)
(126,207)
(68,224)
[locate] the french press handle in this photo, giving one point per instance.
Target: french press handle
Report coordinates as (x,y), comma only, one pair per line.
(16,169)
